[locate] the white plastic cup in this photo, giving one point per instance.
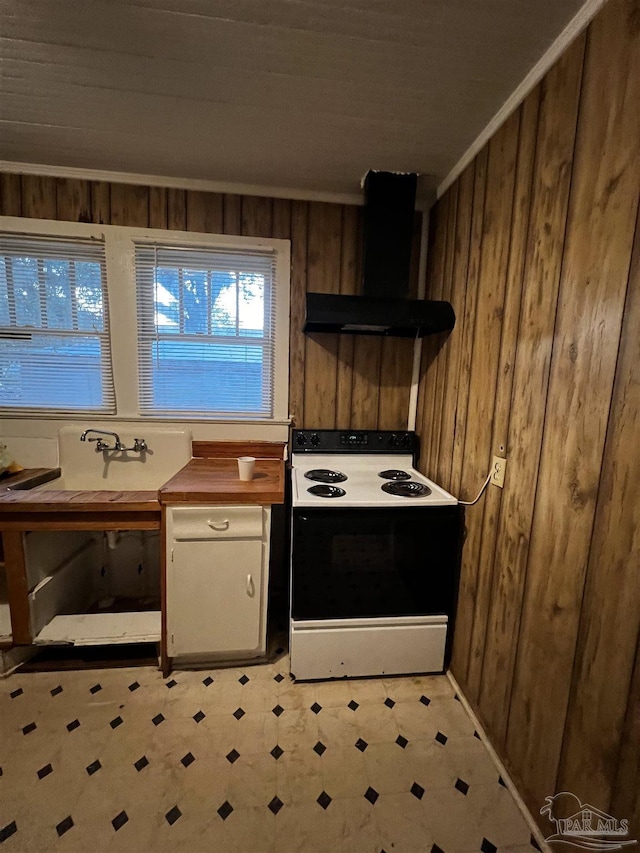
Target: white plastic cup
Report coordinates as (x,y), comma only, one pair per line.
(246,464)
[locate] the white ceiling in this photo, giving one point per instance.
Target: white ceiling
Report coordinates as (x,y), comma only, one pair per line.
(304,94)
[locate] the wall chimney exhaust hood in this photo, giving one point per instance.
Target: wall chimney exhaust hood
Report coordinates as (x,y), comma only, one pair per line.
(383,308)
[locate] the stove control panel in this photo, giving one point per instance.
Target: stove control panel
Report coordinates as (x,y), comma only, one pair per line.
(308,440)
(354,441)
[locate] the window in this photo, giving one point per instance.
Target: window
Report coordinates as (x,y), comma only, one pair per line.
(54,326)
(205,331)
(128,322)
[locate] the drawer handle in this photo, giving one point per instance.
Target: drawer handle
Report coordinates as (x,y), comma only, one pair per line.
(250,590)
(219,525)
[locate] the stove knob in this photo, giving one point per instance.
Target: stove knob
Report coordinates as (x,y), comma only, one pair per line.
(315,439)
(394,441)
(301,440)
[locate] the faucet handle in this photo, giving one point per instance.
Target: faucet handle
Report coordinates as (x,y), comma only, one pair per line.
(139,445)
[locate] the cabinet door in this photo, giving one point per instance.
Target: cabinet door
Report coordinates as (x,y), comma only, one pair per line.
(214,596)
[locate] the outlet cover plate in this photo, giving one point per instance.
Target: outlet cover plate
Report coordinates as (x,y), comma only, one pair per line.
(498,470)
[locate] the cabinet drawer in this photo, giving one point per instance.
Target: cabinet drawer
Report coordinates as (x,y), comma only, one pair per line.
(216,522)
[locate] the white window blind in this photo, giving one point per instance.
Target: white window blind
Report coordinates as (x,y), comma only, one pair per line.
(206,326)
(54,325)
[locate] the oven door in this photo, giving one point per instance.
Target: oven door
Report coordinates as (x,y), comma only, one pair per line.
(358,563)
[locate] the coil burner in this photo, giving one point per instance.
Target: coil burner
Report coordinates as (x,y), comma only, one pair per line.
(407,489)
(394,474)
(325,475)
(325,491)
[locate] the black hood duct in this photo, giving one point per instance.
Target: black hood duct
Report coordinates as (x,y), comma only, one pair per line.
(383,308)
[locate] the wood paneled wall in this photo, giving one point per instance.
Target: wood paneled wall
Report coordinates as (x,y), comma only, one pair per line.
(537,245)
(336,381)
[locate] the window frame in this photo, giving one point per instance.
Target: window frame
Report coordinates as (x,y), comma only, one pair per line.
(206,260)
(121,290)
(42,248)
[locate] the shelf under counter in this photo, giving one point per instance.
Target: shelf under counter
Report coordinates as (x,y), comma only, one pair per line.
(98,629)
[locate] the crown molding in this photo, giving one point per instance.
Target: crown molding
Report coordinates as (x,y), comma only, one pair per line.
(575,26)
(50,171)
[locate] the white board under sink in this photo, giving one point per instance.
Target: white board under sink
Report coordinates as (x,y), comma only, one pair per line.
(99,629)
(84,469)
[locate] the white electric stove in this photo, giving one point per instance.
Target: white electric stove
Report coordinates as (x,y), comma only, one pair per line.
(363,482)
(374,557)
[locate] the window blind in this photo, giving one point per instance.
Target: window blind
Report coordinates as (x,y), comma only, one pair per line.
(54,326)
(206,330)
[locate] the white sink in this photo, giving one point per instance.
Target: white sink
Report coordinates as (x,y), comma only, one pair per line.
(84,469)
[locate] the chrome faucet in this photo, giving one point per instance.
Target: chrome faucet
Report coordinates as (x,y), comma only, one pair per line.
(102,445)
(139,444)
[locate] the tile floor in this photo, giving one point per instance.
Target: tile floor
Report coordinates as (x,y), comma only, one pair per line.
(245,760)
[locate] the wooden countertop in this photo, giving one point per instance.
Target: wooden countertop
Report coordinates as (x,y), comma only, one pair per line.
(217,481)
(28,478)
(19,493)
(58,500)
(202,480)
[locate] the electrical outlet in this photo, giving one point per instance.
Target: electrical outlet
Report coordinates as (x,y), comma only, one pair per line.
(498,469)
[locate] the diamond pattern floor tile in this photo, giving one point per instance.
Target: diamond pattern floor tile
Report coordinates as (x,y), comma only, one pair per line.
(246,760)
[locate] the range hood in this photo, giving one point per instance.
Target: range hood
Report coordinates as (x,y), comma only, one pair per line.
(383,308)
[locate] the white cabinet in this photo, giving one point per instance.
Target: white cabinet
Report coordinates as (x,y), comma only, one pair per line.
(217,564)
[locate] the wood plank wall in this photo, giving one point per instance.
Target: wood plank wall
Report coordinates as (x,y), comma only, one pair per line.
(336,381)
(537,244)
